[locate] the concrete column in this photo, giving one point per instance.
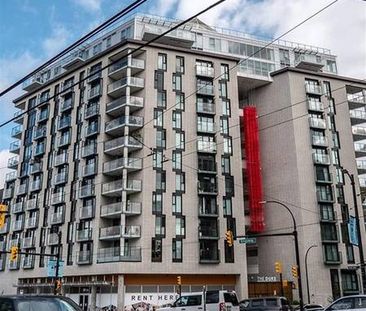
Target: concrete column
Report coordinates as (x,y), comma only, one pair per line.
(121,293)
(93,298)
(241,286)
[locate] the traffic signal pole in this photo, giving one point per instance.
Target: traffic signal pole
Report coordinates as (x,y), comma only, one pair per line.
(58,255)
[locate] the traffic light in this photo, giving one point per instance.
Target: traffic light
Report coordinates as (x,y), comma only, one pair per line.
(278,267)
(3,211)
(179,280)
(294,272)
(229,238)
(13,253)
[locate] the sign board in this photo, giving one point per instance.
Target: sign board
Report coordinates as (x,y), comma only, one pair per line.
(148,301)
(249,241)
(266,279)
(352,230)
(51,268)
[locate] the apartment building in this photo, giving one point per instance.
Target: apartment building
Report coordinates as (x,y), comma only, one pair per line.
(142,169)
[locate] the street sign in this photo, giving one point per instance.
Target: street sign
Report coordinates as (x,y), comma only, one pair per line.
(352,230)
(51,268)
(248,241)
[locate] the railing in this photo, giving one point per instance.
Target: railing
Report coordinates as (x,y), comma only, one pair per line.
(28,242)
(208,210)
(124,121)
(64,122)
(206,146)
(58,198)
(84,234)
(87,211)
(85,257)
(16,130)
(36,167)
(128,141)
(125,100)
(319,140)
(318,123)
(67,86)
(22,188)
(211,255)
(86,191)
(89,169)
(358,130)
(67,104)
(95,74)
(321,158)
(136,63)
(8,193)
(18,225)
(89,150)
(42,115)
(61,159)
(39,149)
(356,98)
(92,129)
(205,127)
(60,178)
(32,204)
(315,105)
(132,163)
(63,140)
(131,231)
(39,132)
(205,89)
(52,238)
(95,91)
(32,80)
(13,161)
(31,222)
(208,231)
(205,71)
(92,110)
(110,232)
(361,164)
(360,147)
(14,146)
(206,187)
(36,185)
(17,207)
(115,254)
(311,88)
(132,81)
(358,114)
(28,261)
(58,217)
(206,108)
(11,176)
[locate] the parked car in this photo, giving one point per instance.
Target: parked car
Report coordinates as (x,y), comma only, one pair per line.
(356,303)
(311,307)
(38,303)
(216,300)
(265,303)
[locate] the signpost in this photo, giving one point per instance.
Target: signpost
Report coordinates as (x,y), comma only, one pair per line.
(248,241)
(51,268)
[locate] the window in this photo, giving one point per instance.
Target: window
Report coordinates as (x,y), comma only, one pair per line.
(108,41)
(229,185)
(284,57)
(324,192)
(179,141)
(335,138)
(156,250)
(97,48)
(177,250)
(226,109)
(160,226)
(329,232)
(322,173)
(227,145)
(180,182)
(177,82)
(158,118)
(158,159)
(205,124)
(227,204)
(331,252)
(327,212)
(206,163)
(225,165)
(177,203)
(335,157)
(180,226)
(224,72)
(331,66)
(161,138)
(157,204)
(195,300)
(350,254)
(161,99)
(339,176)
(159,80)
(224,126)
(162,61)
(179,64)
(177,160)
(126,33)
(343,304)
(179,101)
(160,181)
(177,119)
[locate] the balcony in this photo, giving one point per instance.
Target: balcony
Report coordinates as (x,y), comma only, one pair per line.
(84,235)
(22,189)
(11,176)
(36,185)
(117,126)
(15,147)
(91,111)
(115,188)
(52,239)
(115,146)
(317,123)
(204,71)
(58,198)
(32,204)
(39,149)
(323,196)
(6,227)
(361,166)
(116,254)
(94,75)
(74,60)
(208,211)
(89,169)
(63,123)
(8,193)
(119,68)
(58,217)
(86,191)
(13,162)
(205,89)
(28,242)
(87,212)
(321,159)
(92,129)
(17,131)
(211,256)
(110,233)
(17,207)
(131,232)
(18,225)
(32,83)
(118,88)
(206,167)
(118,107)
(314,105)
(205,108)
(94,92)
(357,116)
(63,141)
(206,127)
(360,150)
(115,167)
(114,210)
(89,150)
(36,167)
(43,115)
(3,245)
(31,223)
(19,116)
(14,242)
(309,62)
(39,132)
(61,159)
(208,188)
(313,89)
(325,178)
(60,178)
(359,133)
(28,261)
(320,141)
(66,104)
(206,146)
(84,258)
(356,100)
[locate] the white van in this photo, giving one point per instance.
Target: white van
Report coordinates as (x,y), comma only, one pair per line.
(216,300)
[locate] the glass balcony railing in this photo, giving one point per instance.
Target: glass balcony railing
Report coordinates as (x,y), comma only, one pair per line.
(28,261)
(119,164)
(8,193)
(39,132)
(206,127)
(39,149)
(14,147)
(36,185)
(128,208)
(204,89)
(84,235)
(36,167)
(211,256)
(16,131)
(89,150)
(113,146)
(115,187)
(17,207)
(359,130)
(63,140)
(32,204)
(361,164)
(91,111)
(85,257)
(64,123)
(110,233)
(131,232)
(60,178)
(313,89)
(206,108)
(360,147)
(57,218)
(208,231)
(321,141)
(52,238)
(11,176)
(43,115)
(58,198)
(87,212)
(89,169)
(118,106)
(116,254)
(13,162)
(94,75)
(321,158)
(94,92)
(205,71)
(357,98)
(92,129)
(315,105)
(31,223)
(86,191)
(207,187)
(67,87)
(317,123)
(18,225)
(206,146)
(67,104)
(22,189)
(128,81)
(121,122)
(124,63)
(358,114)
(61,159)
(32,82)
(28,242)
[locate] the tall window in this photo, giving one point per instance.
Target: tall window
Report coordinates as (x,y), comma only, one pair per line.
(177,250)
(179,64)
(158,159)
(227,145)
(156,250)
(161,138)
(177,119)
(162,61)
(177,82)
(160,226)
(160,180)
(158,118)
(179,140)
(177,203)
(180,182)
(161,99)
(224,72)
(177,160)
(179,101)
(180,226)
(226,109)
(157,203)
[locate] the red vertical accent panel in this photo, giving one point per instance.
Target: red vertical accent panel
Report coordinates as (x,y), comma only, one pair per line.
(251,145)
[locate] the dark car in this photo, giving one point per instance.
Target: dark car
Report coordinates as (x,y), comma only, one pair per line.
(265,304)
(311,307)
(37,303)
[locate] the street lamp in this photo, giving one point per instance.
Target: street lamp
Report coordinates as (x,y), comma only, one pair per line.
(297,253)
(306,270)
(360,246)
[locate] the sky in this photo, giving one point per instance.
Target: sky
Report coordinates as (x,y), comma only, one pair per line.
(31,31)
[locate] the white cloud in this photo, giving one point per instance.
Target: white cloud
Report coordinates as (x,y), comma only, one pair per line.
(56,41)
(89,5)
(4,157)
(340,28)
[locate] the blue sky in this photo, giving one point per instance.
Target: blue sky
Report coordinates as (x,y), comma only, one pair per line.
(31,31)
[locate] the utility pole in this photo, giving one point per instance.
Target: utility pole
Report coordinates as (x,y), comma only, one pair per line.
(58,255)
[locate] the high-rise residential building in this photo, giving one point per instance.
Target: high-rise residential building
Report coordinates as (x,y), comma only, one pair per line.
(142,167)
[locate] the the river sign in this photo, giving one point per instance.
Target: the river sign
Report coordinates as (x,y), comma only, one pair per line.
(249,241)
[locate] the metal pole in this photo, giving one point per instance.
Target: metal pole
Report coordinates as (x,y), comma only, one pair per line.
(58,255)
(306,271)
(297,252)
(281,281)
